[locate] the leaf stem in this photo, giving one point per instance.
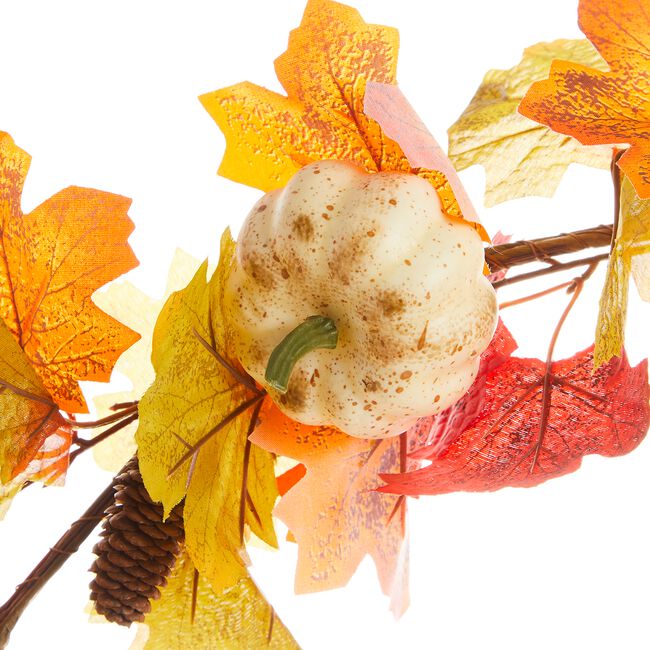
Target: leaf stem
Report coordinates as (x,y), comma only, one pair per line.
(534,296)
(227,420)
(84,445)
(576,289)
(244,499)
(109,419)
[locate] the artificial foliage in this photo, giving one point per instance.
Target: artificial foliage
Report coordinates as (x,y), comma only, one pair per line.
(211,455)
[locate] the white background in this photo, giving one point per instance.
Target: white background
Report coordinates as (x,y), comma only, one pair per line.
(103,94)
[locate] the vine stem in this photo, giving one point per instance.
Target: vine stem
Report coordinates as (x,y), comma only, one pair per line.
(547,382)
(52,561)
(506,256)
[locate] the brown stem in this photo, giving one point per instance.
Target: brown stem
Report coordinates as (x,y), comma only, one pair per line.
(585,261)
(535,296)
(505,256)
(53,560)
(109,419)
(578,284)
(83,445)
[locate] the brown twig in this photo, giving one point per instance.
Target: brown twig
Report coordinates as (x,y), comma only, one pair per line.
(83,445)
(535,296)
(547,382)
(585,261)
(512,254)
(53,560)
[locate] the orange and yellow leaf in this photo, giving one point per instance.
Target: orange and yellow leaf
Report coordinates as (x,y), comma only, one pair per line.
(34,441)
(331,58)
(521,157)
(334,512)
(604,107)
(51,262)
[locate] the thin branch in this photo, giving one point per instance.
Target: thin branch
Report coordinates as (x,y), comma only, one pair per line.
(547,389)
(53,560)
(616,181)
(551,269)
(535,296)
(109,419)
(84,445)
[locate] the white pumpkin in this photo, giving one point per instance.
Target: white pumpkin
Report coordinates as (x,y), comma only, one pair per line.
(403,284)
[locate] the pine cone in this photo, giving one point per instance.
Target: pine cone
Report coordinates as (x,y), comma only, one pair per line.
(137,551)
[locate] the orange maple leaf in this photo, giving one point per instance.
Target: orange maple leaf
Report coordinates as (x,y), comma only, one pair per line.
(51,262)
(334,513)
(331,58)
(604,107)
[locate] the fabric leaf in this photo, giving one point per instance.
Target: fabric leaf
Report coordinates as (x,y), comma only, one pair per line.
(604,107)
(432,435)
(191,395)
(237,618)
(521,158)
(34,440)
(387,105)
(130,306)
(331,58)
(604,412)
(631,254)
(333,513)
(51,262)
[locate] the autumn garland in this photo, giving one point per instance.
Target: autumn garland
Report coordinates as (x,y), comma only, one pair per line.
(222,438)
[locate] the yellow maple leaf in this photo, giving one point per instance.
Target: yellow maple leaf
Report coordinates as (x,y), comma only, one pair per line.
(130,306)
(237,618)
(631,254)
(190,405)
(520,156)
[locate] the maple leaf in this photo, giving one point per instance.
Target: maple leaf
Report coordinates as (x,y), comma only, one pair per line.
(190,405)
(236,617)
(330,59)
(631,254)
(333,513)
(433,434)
(521,157)
(130,306)
(387,105)
(518,442)
(51,261)
(35,441)
(608,107)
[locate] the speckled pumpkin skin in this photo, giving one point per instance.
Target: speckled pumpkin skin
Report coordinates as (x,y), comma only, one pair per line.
(403,283)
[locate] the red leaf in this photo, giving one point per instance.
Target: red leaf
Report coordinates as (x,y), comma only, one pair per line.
(434,434)
(604,413)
